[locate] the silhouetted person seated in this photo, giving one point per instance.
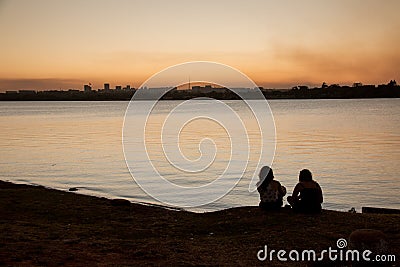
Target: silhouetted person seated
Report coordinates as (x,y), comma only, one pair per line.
(271,191)
(307,195)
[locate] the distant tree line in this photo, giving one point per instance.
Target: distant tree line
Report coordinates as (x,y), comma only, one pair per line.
(358,90)
(334,91)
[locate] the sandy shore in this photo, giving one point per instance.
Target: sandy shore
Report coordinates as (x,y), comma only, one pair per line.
(40,226)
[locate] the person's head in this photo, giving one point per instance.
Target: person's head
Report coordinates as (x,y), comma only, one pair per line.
(266,175)
(305,175)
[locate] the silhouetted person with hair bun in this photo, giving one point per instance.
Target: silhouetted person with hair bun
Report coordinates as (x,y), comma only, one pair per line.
(271,191)
(307,194)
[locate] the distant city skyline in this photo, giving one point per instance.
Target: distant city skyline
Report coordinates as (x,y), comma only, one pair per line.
(190,85)
(278,44)
(202,87)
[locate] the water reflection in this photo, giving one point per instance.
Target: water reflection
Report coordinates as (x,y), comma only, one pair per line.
(351,146)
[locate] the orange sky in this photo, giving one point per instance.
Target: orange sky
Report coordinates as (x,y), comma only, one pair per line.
(49,44)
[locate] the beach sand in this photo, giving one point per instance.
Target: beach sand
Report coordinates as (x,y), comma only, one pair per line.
(40,226)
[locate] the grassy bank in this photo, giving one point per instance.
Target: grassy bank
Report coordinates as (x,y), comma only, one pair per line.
(40,226)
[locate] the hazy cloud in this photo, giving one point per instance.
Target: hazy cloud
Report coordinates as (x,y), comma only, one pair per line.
(40,84)
(337,64)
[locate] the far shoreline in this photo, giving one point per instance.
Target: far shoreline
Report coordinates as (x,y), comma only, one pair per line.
(201,98)
(334,91)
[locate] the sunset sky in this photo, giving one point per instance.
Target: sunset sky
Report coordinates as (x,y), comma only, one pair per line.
(53,44)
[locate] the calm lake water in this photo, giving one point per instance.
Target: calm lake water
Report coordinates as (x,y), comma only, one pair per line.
(351,146)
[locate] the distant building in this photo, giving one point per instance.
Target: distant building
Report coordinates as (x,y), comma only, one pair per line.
(11,92)
(118,87)
(106,86)
(87,88)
